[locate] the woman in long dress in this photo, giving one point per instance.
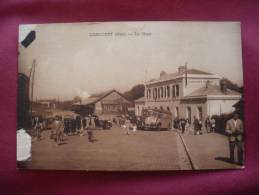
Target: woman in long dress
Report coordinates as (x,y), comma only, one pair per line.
(128,126)
(59,126)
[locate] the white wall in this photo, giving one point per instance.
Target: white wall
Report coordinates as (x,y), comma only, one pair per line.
(217,107)
(194,108)
(157,104)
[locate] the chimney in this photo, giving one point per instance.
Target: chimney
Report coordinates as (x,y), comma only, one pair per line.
(223,86)
(181,69)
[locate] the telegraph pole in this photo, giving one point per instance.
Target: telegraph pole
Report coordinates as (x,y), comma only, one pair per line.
(32,77)
(185,74)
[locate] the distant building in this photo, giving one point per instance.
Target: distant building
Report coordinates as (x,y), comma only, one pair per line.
(139,106)
(190,92)
(46,103)
(108,103)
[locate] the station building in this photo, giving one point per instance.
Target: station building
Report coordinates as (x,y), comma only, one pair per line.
(107,104)
(190,92)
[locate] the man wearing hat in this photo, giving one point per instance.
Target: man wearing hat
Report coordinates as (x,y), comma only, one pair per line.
(235,130)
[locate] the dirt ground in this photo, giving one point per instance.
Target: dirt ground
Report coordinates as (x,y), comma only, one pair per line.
(112,150)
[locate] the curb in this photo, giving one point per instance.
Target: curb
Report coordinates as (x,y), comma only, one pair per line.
(193,166)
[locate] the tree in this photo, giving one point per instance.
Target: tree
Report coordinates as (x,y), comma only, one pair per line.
(136,92)
(232,86)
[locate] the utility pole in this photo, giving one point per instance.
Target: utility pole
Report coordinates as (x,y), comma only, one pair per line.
(32,77)
(185,74)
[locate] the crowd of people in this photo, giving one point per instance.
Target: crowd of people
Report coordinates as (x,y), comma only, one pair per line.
(126,122)
(62,127)
(79,125)
(197,125)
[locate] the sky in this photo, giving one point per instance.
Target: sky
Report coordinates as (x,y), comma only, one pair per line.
(80,59)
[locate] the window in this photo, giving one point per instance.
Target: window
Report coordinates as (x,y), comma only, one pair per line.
(168,109)
(173,91)
(177,90)
(155,93)
(161,107)
(158,93)
(199,110)
(168,91)
(162,91)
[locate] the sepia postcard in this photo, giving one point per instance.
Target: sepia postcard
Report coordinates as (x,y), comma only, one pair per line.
(130,96)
